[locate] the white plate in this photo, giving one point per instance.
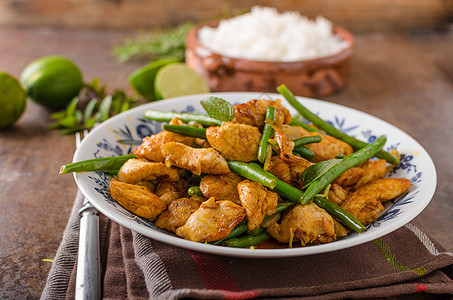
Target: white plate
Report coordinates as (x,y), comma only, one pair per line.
(123,133)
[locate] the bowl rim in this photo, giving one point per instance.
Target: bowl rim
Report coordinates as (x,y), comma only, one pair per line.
(193,44)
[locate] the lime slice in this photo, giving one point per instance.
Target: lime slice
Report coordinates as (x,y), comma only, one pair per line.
(142,80)
(13,99)
(178,79)
(52,81)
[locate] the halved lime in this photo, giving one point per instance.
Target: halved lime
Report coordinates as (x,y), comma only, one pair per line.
(142,80)
(52,81)
(178,79)
(13,99)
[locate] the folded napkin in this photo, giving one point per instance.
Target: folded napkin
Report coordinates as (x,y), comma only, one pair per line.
(403,263)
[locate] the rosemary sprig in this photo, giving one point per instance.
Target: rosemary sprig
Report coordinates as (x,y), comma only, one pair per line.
(156,44)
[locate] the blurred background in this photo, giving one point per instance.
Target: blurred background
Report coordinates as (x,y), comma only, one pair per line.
(356,15)
(75,26)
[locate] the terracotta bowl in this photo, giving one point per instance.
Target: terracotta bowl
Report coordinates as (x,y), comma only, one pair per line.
(311,78)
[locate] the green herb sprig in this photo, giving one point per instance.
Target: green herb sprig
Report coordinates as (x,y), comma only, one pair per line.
(156,44)
(93,105)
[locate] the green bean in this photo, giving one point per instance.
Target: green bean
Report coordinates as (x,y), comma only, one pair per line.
(281,207)
(97,164)
(242,227)
(346,163)
(186,130)
(307,127)
(245,170)
(282,188)
(256,231)
(339,213)
(329,129)
(112,172)
(247,241)
(237,231)
(194,191)
(268,133)
(304,152)
(162,116)
(307,140)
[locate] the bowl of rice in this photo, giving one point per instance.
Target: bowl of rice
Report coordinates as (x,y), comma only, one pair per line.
(262,49)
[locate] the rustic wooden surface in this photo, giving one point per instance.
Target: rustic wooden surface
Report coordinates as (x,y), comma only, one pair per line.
(356,15)
(405,79)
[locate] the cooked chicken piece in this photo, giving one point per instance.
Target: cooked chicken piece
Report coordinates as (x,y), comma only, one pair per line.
(372,170)
(221,187)
(177,213)
(280,169)
(198,198)
(350,177)
(254,112)
(151,145)
(150,185)
(235,141)
(202,143)
(171,190)
(137,169)
(295,132)
(212,221)
(328,148)
(288,172)
(307,223)
(137,199)
(202,160)
(340,230)
(365,203)
(257,201)
(286,147)
(337,194)
(297,167)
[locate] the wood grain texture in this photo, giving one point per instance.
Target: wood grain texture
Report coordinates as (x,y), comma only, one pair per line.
(403,79)
(356,15)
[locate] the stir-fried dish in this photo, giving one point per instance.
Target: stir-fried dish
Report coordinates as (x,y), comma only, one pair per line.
(247,173)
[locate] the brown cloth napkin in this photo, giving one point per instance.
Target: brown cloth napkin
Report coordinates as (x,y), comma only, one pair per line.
(404,263)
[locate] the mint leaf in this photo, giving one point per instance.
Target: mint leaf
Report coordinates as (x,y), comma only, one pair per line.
(315,171)
(218,108)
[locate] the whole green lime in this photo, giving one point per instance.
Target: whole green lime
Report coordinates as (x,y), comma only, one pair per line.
(142,80)
(52,81)
(13,99)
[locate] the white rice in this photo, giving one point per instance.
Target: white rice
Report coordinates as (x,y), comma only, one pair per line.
(264,34)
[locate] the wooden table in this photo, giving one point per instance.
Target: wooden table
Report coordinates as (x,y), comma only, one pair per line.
(405,79)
